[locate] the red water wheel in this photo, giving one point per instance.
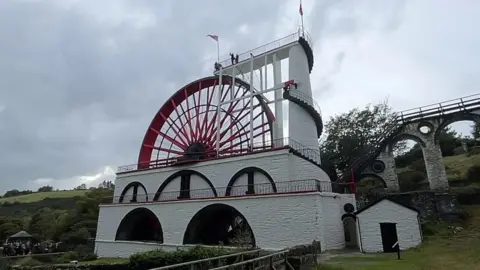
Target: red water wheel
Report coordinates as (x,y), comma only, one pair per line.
(185,128)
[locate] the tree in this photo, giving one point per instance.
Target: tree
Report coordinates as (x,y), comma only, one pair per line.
(476,131)
(349,134)
(449,140)
(45,189)
(107,185)
(81,187)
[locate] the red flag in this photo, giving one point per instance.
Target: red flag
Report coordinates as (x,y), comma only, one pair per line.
(214,37)
(300,9)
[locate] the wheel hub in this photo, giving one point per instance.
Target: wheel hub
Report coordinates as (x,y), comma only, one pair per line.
(196,151)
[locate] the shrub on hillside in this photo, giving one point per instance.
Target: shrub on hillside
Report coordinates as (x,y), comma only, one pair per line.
(473,173)
(410,180)
(418,165)
(473,151)
(159,258)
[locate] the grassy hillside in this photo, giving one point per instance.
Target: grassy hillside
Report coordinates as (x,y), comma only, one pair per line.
(445,250)
(38,196)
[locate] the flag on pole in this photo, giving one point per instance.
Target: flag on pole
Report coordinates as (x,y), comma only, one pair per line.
(300,9)
(214,37)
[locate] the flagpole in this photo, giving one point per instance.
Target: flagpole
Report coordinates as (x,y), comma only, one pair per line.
(218,51)
(301,15)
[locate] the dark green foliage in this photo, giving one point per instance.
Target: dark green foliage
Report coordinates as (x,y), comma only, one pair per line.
(349,134)
(473,151)
(159,258)
(45,189)
(418,165)
(473,173)
(16,192)
(411,180)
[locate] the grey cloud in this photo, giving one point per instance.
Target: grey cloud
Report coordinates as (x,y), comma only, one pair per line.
(80,90)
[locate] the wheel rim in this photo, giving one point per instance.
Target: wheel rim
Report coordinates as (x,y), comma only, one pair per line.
(185,127)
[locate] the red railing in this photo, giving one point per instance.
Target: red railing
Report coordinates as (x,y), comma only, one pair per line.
(285,187)
(263,146)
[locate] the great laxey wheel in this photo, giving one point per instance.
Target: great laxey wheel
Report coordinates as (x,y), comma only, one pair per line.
(186,126)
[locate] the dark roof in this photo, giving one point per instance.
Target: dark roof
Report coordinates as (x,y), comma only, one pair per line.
(374,203)
(21,234)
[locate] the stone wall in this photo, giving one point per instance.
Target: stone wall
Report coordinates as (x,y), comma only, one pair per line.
(429,204)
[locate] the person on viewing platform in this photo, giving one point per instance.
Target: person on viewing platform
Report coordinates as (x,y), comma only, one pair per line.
(232,57)
(236,59)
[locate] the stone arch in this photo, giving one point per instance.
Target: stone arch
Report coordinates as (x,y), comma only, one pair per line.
(250,171)
(184,189)
(465,116)
(372,175)
(134,198)
(405,136)
(140,224)
(219,224)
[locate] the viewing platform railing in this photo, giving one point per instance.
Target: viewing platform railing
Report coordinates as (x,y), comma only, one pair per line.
(260,189)
(261,146)
(270,46)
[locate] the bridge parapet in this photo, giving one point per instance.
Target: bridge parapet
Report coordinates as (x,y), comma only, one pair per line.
(422,125)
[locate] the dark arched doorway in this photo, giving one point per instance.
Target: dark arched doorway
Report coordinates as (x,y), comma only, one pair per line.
(219,224)
(140,224)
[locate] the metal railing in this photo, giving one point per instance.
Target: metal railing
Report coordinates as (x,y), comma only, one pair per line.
(438,109)
(306,98)
(285,187)
(268,261)
(261,146)
(270,46)
(220,261)
(404,117)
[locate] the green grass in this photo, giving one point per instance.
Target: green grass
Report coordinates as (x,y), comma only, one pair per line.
(38,196)
(457,166)
(443,251)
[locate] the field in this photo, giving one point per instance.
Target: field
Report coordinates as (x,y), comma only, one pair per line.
(445,250)
(38,196)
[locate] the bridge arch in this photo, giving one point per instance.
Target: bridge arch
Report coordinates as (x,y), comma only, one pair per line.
(135,196)
(458,117)
(219,224)
(402,137)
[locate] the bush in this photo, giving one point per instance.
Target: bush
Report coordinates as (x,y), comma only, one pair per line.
(473,173)
(159,258)
(418,165)
(473,151)
(410,180)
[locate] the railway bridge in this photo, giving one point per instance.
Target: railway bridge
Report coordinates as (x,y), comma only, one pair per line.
(422,125)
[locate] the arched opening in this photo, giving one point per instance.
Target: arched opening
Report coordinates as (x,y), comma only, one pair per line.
(410,166)
(140,224)
(350,230)
(459,140)
(219,224)
(185,184)
(251,180)
(134,192)
(370,183)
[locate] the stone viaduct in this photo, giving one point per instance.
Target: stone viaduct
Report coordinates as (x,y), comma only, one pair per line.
(422,125)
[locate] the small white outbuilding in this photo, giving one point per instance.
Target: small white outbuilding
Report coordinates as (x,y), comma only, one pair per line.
(382,224)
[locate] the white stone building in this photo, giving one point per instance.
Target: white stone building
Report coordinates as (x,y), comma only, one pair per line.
(378,227)
(215,168)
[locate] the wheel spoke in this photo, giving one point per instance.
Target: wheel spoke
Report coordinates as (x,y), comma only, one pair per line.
(193,120)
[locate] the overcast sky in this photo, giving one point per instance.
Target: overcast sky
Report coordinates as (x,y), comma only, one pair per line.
(80,80)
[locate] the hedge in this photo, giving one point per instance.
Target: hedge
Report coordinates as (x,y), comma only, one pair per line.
(159,258)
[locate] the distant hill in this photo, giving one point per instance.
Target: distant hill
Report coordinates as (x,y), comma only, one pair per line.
(38,196)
